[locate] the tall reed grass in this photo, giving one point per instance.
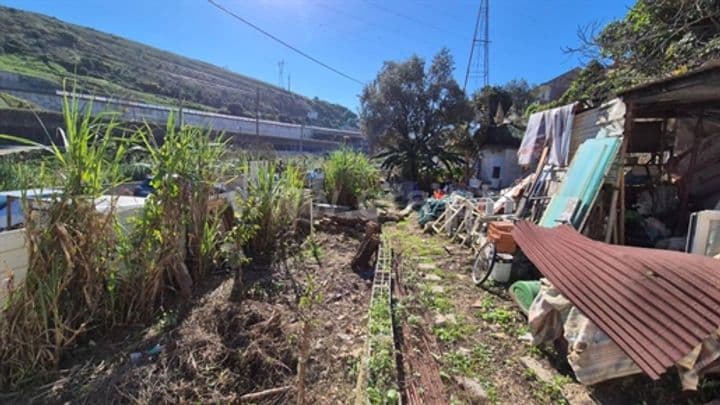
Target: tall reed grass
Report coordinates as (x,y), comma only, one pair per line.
(85,273)
(175,238)
(350,178)
(272,205)
(71,248)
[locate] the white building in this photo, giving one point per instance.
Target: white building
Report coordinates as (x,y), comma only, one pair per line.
(497,163)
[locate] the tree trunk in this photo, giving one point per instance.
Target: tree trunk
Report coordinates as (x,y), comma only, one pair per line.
(363,260)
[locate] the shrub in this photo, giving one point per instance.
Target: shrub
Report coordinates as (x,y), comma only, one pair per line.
(270,209)
(350,177)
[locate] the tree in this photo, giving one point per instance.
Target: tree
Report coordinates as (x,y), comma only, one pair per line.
(408,113)
(520,93)
(655,38)
(488,101)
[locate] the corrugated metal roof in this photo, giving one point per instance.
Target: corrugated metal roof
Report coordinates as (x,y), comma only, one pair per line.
(656,305)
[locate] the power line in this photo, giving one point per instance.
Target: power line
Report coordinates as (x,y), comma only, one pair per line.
(413,19)
(273,37)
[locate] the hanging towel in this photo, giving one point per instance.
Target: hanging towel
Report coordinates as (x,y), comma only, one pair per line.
(558,123)
(555,124)
(533,140)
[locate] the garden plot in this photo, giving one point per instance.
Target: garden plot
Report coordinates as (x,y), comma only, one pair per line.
(218,350)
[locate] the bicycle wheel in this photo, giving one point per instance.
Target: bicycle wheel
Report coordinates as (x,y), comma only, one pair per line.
(484,262)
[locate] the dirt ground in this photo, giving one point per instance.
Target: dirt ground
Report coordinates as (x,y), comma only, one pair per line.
(216,350)
(480,334)
(457,343)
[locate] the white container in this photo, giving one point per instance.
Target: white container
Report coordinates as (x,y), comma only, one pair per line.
(501,270)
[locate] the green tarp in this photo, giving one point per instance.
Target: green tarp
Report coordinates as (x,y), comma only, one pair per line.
(431,210)
(524,293)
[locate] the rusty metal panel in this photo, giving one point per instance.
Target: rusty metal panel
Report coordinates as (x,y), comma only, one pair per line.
(656,305)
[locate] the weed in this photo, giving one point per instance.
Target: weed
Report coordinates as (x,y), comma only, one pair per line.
(382,385)
(415,321)
(313,250)
(350,177)
(453,331)
(492,393)
(499,316)
(470,364)
(353,366)
(459,363)
(548,392)
(18,174)
(534,351)
(168,319)
(270,209)
(522,330)
(436,301)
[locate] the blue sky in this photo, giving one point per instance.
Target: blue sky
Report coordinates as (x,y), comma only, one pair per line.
(354,36)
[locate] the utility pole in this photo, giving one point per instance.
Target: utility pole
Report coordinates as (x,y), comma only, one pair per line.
(281,67)
(257,112)
(288,82)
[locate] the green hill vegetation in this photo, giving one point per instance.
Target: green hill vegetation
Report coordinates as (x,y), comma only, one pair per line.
(44,47)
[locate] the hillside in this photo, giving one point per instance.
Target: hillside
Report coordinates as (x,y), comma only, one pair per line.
(41,46)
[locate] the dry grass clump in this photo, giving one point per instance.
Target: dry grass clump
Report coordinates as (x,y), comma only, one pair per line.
(70,278)
(221,351)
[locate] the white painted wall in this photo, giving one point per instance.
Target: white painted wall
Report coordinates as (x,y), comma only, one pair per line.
(13,259)
(505,159)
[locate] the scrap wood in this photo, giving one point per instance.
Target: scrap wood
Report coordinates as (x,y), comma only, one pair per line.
(363,259)
(254,396)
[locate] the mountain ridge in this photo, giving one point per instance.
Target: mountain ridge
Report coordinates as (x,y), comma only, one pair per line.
(108,65)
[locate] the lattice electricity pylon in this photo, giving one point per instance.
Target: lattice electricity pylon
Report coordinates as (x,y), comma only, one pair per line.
(478,68)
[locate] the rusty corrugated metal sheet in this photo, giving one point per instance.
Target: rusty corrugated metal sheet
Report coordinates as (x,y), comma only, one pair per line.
(656,305)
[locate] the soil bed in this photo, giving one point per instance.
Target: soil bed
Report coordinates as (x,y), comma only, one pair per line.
(218,350)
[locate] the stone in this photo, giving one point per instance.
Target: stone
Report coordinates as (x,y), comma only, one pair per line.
(528,337)
(427,267)
(442,320)
(437,289)
(432,277)
(473,388)
(542,372)
(477,304)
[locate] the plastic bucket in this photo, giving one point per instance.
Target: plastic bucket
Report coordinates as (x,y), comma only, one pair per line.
(501,270)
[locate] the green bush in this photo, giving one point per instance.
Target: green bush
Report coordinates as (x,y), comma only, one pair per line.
(350,177)
(270,209)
